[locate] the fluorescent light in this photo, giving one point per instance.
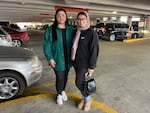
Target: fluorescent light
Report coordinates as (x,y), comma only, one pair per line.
(114,12)
(70,17)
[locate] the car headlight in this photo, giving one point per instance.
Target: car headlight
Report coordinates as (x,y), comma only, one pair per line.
(35,62)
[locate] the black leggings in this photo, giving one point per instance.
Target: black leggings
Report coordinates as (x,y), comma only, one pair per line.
(80,77)
(61,80)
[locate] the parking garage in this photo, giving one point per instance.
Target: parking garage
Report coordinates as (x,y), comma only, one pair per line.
(122,68)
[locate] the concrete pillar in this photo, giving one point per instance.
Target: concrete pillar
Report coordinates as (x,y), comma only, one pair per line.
(148,25)
(129,21)
(118,18)
(148,22)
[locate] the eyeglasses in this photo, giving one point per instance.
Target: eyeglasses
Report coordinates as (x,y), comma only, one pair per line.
(81,19)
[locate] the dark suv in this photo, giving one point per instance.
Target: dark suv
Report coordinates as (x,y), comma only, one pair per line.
(112,31)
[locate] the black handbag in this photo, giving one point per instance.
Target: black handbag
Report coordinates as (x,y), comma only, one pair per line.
(89,84)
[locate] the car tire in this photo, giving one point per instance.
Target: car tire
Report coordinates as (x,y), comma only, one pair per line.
(11,85)
(112,37)
(17,42)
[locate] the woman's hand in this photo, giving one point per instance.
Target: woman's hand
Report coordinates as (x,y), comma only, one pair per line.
(52,63)
(90,71)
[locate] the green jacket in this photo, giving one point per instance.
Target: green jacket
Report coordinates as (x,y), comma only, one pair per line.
(54,50)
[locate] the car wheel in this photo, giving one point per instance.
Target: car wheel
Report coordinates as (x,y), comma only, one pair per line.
(17,42)
(112,37)
(11,85)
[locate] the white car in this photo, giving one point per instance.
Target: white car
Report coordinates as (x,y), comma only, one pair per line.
(5,38)
(19,68)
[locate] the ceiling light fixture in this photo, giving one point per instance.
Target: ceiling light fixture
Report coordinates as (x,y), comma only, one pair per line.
(114,12)
(70,17)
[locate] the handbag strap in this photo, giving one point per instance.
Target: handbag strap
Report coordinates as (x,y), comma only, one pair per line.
(88,77)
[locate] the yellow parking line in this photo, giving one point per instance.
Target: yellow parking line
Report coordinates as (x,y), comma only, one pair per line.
(134,40)
(25,99)
(75,97)
(103,107)
(71,81)
(31,89)
(49,84)
(95,103)
(42,86)
(40,94)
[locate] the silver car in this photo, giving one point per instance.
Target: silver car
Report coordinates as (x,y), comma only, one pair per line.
(19,68)
(5,38)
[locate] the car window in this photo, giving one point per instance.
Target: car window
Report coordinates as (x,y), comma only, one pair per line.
(109,25)
(9,30)
(1,32)
(99,25)
(120,25)
(6,29)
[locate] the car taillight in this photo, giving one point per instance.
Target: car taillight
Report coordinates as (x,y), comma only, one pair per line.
(25,34)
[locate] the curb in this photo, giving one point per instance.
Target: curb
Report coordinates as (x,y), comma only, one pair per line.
(134,40)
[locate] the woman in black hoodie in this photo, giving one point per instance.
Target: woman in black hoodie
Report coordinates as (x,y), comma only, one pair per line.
(84,55)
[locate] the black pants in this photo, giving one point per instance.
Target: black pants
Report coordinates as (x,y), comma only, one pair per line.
(80,77)
(61,80)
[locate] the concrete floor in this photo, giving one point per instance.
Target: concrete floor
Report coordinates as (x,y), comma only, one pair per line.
(122,76)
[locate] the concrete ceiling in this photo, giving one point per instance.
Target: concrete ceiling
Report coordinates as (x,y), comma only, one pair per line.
(43,10)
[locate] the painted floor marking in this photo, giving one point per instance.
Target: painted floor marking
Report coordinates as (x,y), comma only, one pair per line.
(134,40)
(48,94)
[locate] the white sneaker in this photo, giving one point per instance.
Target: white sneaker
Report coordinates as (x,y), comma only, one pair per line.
(59,99)
(64,96)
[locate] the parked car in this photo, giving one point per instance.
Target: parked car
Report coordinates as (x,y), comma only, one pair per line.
(5,38)
(19,68)
(15,26)
(19,38)
(115,31)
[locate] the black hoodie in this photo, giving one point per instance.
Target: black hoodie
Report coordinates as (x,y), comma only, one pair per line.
(88,50)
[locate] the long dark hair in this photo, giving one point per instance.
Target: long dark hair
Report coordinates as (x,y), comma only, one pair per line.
(55,24)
